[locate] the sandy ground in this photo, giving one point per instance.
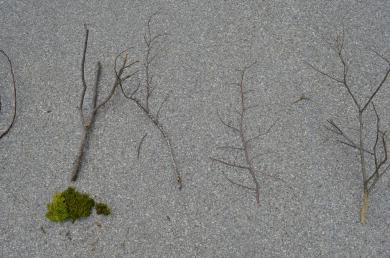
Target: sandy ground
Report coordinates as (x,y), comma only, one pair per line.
(314,215)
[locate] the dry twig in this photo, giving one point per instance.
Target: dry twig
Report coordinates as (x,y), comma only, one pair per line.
(88,123)
(245,142)
(380,144)
(142,99)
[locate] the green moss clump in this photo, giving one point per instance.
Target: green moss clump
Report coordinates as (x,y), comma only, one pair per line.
(79,205)
(69,204)
(101,208)
(57,210)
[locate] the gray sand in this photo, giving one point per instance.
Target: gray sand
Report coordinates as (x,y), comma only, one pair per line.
(209,217)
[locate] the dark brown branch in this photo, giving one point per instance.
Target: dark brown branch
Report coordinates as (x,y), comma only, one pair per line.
(8,128)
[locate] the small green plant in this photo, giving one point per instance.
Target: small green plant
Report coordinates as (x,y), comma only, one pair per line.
(101,208)
(57,210)
(72,205)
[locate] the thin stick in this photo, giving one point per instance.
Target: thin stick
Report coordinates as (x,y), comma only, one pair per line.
(3,133)
(86,130)
(84,83)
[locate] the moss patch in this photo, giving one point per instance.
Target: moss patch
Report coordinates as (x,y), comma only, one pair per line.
(72,205)
(101,208)
(57,210)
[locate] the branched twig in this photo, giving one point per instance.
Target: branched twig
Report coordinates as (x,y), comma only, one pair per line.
(245,141)
(143,102)
(8,128)
(88,123)
(368,181)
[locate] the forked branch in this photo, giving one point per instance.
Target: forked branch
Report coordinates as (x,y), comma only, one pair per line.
(379,145)
(88,122)
(245,141)
(142,98)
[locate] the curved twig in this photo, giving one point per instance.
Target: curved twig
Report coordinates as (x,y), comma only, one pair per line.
(2,134)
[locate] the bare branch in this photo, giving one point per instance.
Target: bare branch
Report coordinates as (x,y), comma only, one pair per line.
(368,180)
(86,130)
(88,123)
(245,146)
(144,104)
(344,82)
